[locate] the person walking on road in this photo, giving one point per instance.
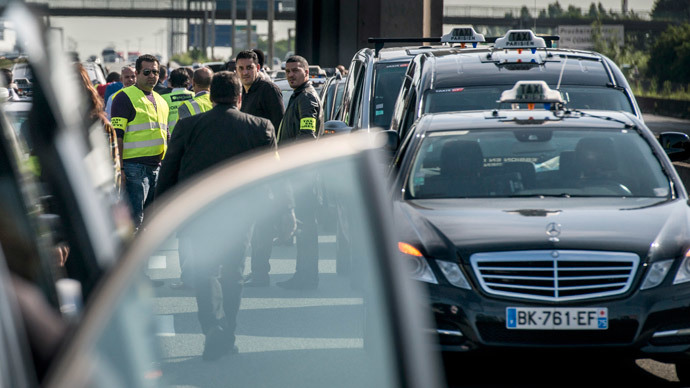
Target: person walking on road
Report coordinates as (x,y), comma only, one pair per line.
(201,85)
(303,119)
(127,79)
(200,142)
(262,98)
(140,119)
(161,87)
(179,80)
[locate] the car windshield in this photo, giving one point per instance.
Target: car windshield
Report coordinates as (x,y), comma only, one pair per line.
(339,331)
(388,79)
(536,162)
(486,97)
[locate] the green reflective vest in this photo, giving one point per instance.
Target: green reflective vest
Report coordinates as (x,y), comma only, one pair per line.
(147,134)
(174,99)
(199,104)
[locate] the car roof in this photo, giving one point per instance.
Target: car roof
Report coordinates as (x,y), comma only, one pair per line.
(438,122)
(401,54)
(579,68)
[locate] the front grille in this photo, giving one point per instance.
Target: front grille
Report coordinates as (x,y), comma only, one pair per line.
(555,275)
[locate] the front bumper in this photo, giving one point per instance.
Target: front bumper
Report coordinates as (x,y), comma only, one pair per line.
(654,323)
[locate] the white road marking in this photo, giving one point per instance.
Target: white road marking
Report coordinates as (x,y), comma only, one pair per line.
(158,262)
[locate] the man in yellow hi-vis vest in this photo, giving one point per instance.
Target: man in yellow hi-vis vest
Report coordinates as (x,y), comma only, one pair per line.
(202,102)
(140,118)
(179,80)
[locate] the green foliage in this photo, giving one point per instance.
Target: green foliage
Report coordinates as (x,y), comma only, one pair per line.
(670,56)
(671,9)
(192,56)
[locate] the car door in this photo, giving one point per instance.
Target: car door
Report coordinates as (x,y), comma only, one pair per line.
(366,328)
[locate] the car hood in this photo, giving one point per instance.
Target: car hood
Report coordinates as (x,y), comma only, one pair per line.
(651,227)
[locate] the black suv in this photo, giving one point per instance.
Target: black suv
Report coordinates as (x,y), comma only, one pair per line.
(472,79)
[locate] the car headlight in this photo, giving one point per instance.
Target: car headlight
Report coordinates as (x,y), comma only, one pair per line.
(656,274)
(683,274)
(417,264)
(454,274)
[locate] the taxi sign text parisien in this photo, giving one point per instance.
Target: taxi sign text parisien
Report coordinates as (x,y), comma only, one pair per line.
(530,92)
(520,38)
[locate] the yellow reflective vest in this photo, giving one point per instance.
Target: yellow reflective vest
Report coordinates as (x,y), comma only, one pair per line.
(147,134)
(174,99)
(199,104)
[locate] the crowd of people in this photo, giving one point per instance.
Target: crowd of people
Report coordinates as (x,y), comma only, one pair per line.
(165,128)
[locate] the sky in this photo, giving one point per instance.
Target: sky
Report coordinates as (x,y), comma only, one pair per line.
(91,35)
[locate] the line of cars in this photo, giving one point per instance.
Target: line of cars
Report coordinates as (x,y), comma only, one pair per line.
(94,319)
(530,197)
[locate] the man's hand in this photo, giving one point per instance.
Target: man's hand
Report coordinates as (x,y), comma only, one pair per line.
(288,227)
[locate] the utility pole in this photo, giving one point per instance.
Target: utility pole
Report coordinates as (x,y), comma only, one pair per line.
(271,16)
(213,31)
(234,29)
(249,24)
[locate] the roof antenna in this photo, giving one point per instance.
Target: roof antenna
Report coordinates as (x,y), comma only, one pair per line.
(560,76)
(535,16)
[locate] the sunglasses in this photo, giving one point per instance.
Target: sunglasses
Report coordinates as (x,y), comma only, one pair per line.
(147,72)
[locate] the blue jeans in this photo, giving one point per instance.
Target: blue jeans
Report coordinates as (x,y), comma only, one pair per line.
(141,182)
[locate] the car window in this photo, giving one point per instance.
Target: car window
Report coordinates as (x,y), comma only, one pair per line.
(486,97)
(539,161)
(388,79)
(339,332)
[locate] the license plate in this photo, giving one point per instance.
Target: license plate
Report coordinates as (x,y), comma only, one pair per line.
(557,318)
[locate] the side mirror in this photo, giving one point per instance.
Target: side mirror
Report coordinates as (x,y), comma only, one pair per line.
(336,126)
(389,140)
(676,145)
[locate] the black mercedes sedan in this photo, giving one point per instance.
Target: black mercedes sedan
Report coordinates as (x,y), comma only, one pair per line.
(548,229)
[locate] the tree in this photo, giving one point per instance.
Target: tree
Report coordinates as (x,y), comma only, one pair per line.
(573,12)
(670,57)
(555,10)
(671,9)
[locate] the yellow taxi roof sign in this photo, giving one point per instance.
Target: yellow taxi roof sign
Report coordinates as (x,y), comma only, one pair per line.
(531,92)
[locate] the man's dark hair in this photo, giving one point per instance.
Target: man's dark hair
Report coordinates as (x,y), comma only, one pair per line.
(179,78)
(145,58)
(260,56)
(202,77)
(297,59)
(113,77)
(247,54)
(225,88)
(163,72)
(190,72)
(6,76)
(230,65)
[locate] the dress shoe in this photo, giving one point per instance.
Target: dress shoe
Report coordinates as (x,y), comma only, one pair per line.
(179,286)
(256,281)
(217,344)
(296,283)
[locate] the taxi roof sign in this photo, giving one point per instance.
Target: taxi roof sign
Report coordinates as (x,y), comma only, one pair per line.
(463,35)
(520,39)
(531,92)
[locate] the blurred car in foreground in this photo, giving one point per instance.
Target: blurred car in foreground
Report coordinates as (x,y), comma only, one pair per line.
(548,229)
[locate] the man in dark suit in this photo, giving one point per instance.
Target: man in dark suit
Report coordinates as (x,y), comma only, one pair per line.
(199,142)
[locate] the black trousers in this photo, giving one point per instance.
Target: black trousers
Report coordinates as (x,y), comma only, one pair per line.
(308,235)
(218,285)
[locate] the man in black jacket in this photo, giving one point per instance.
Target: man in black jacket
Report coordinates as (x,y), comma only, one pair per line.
(303,119)
(262,98)
(198,143)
